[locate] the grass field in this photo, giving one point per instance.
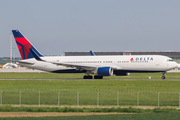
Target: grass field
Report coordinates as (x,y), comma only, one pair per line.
(75,91)
(71,88)
(80,76)
(31,81)
(147,116)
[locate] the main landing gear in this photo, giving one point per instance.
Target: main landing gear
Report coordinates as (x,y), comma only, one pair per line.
(98,77)
(163,77)
(87,77)
(91,77)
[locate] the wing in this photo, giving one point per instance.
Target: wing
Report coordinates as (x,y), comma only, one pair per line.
(77,66)
(80,66)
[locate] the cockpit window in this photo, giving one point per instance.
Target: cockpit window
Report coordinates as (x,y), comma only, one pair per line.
(170,60)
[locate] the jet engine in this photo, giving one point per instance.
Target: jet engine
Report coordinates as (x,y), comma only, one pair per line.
(105,71)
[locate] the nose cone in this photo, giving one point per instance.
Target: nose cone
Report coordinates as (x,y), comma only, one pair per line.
(173,65)
(178,65)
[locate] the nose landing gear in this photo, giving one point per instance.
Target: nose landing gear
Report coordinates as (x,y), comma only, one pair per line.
(163,77)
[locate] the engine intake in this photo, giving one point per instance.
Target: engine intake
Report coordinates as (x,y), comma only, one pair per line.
(105,71)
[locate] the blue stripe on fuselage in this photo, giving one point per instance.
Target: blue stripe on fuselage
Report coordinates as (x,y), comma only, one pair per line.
(115,71)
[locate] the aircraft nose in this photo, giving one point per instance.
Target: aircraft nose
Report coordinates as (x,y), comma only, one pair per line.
(178,65)
(173,65)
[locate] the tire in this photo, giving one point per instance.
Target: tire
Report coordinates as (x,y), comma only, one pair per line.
(87,77)
(96,77)
(163,77)
(90,77)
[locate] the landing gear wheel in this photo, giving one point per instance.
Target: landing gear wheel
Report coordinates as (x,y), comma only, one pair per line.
(90,77)
(87,77)
(95,77)
(98,77)
(163,77)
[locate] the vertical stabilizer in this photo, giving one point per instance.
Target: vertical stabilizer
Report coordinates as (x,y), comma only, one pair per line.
(24,45)
(92,53)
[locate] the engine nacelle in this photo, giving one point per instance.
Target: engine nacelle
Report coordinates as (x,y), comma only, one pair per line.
(105,71)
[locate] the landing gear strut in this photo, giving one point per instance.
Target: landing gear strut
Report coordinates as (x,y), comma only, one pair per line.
(163,77)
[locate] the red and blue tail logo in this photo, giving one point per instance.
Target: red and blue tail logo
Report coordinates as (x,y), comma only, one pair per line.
(24,46)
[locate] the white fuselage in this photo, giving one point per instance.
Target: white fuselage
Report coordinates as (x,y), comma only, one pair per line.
(129,63)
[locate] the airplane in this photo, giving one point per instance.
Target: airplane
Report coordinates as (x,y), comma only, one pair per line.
(92,53)
(120,65)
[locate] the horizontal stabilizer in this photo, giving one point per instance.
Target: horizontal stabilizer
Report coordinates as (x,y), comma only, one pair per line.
(20,62)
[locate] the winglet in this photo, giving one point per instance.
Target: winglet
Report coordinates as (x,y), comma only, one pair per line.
(91,52)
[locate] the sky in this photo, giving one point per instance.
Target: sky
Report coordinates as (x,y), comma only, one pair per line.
(58,26)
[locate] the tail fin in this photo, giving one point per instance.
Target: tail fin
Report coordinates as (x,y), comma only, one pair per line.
(92,53)
(24,45)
